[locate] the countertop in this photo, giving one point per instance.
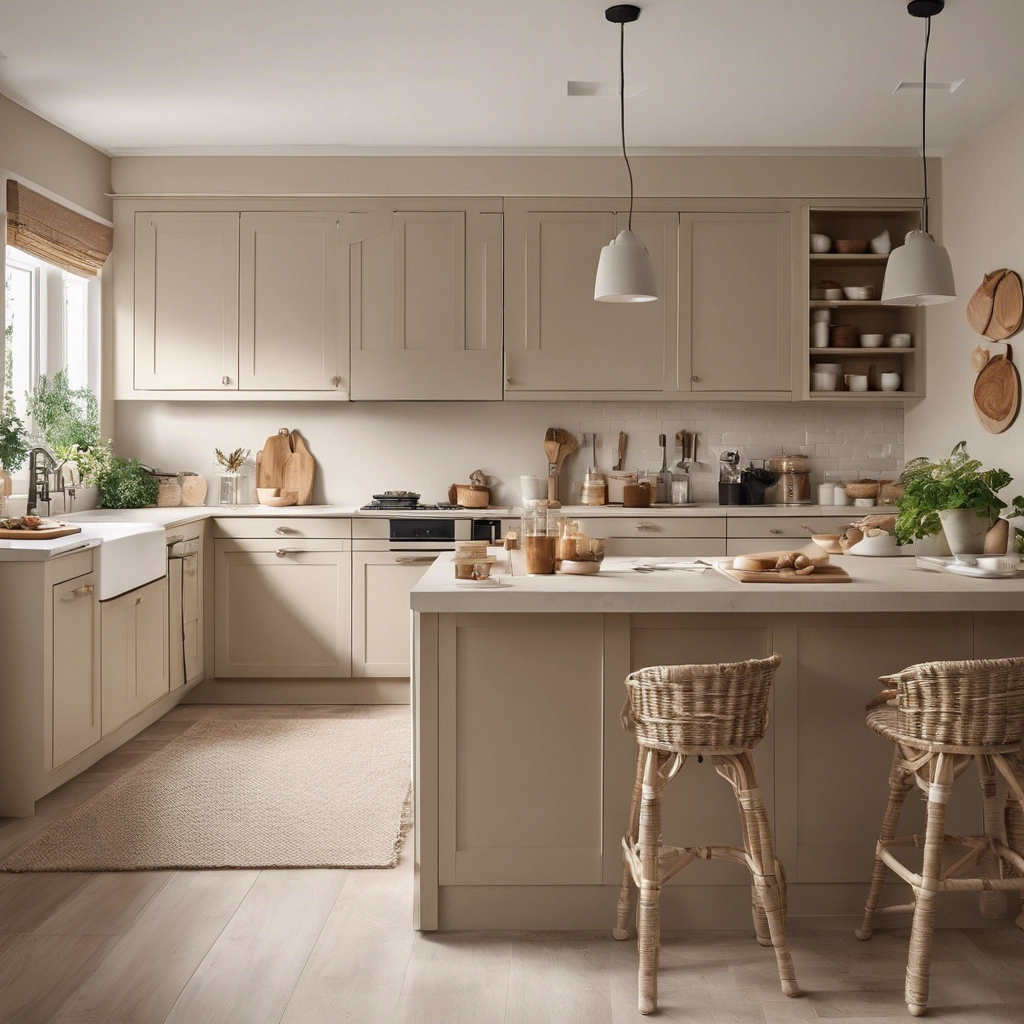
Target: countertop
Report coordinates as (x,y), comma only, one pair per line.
(879,585)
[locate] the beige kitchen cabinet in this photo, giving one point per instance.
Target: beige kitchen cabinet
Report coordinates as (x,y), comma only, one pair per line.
(75,703)
(654,536)
(289,329)
(735,301)
(381,582)
(186,301)
(282,608)
(424,302)
(557,338)
(134,653)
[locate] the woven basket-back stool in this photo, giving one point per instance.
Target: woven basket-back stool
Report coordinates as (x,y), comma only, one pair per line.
(941,716)
(721,712)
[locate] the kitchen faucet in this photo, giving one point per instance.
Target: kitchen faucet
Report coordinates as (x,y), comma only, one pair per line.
(41,464)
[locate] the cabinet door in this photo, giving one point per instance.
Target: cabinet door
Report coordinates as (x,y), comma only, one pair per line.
(557,337)
(76,676)
(289,333)
(381,582)
(282,611)
(117,660)
(152,679)
(186,301)
(736,302)
(424,304)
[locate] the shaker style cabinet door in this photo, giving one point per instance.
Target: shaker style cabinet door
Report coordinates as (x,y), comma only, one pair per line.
(75,695)
(283,610)
(289,330)
(186,301)
(557,338)
(735,302)
(424,303)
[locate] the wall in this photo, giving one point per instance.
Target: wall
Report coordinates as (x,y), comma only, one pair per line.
(983,229)
(364,448)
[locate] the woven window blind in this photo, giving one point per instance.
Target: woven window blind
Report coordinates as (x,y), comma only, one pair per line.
(54,233)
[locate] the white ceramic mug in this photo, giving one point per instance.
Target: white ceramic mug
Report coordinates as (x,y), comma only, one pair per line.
(824,381)
(890,381)
(856,381)
(533,487)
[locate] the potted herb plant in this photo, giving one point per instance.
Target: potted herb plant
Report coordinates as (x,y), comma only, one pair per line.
(954,496)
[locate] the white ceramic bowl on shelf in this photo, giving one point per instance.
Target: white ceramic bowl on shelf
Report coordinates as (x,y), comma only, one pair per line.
(820,243)
(859,293)
(856,381)
(824,381)
(872,340)
(901,340)
(890,381)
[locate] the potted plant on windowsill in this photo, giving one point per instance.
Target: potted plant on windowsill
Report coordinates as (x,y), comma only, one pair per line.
(953,496)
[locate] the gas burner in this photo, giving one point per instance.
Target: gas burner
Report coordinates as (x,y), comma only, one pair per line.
(404,501)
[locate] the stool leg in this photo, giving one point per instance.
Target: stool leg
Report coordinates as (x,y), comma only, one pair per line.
(992,904)
(900,782)
(649,913)
(923,929)
(762,932)
(1014,820)
(624,905)
(769,888)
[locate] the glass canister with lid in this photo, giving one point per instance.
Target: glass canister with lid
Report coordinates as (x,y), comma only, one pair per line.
(792,484)
(541,527)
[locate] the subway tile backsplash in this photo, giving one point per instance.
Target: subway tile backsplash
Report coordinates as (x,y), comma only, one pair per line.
(835,435)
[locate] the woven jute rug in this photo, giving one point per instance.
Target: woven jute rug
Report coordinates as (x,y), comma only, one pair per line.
(244,794)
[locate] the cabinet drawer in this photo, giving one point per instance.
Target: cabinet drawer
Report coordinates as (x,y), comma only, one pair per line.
(653,526)
(293,527)
(784,526)
(665,547)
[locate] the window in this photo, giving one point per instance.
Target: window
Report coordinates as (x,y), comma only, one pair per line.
(52,323)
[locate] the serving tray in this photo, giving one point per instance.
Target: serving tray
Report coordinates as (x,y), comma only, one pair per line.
(821,574)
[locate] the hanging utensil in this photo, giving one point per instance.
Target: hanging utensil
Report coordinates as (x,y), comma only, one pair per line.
(621,462)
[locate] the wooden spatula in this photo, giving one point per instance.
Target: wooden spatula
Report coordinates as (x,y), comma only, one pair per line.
(552,442)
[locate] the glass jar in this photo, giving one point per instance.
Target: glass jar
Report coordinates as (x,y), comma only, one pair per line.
(595,488)
(229,488)
(541,529)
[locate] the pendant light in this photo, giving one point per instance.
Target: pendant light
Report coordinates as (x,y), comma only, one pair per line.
(919,272)
(625,272)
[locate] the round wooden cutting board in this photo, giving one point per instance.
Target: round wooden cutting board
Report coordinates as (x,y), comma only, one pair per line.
(997,394)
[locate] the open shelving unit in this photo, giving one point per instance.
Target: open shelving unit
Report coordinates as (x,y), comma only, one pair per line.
(868,316)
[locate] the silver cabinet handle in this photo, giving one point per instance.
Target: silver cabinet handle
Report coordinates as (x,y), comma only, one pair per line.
(138,600)
(417,560)
(281,552)
(775,532)
(225,381)
(284,530)
(84,591)
(645,526)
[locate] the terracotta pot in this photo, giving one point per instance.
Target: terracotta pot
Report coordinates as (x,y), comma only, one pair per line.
(965,531)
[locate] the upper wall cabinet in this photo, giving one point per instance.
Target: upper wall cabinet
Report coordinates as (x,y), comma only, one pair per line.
(557,338)
(425,303)
(186,301)
(735,331)
(289,326)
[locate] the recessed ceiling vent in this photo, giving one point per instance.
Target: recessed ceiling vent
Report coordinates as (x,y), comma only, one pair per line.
(574,88)
(933,87)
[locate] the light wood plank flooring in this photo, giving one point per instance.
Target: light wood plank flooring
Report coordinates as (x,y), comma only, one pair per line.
(326,947)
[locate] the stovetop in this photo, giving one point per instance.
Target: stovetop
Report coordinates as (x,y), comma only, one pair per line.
(404,500)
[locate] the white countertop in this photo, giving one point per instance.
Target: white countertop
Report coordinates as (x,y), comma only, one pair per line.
(879,585)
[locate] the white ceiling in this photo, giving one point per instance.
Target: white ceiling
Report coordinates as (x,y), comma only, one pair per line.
(289,75)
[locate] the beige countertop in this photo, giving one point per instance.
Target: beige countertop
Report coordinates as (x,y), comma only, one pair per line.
(879,585)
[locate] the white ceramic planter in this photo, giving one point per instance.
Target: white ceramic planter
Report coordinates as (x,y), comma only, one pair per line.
(965,531)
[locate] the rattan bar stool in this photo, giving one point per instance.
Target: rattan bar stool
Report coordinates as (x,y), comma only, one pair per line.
(721,712)
(941,716)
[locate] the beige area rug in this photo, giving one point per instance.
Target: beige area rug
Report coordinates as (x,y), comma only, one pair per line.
(268,793)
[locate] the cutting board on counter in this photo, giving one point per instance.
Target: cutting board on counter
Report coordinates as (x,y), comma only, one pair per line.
(271,460)
(299,471)
(822,574)
(60,530)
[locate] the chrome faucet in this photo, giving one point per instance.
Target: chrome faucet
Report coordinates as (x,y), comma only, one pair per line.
(41,464)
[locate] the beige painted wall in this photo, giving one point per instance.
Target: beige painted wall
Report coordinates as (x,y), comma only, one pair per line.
(43,155)
(983,228)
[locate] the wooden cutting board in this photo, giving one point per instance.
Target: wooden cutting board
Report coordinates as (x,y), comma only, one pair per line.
(299,471)
(997,305)
(997,394)
(821,574)
(63,530)
(270,462)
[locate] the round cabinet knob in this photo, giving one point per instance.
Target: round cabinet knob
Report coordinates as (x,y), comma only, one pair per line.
(694,378)
(336,381)
(225,381)
(508,382)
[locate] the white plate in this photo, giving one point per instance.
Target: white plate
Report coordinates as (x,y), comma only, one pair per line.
(982,574)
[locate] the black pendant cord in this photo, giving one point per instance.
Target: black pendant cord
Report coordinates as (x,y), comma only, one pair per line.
(622,114)
(924,120)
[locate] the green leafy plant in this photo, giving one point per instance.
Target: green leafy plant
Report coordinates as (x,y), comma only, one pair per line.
(956,482)
(63,416)
(92,462)
(125,483)
(14,440)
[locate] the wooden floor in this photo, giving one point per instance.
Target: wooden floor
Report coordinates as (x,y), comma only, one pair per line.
(314,946)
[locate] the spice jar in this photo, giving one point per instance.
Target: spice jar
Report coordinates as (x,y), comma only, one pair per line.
(595,488)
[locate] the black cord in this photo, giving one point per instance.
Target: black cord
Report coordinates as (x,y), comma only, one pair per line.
(924,120)
(622,114)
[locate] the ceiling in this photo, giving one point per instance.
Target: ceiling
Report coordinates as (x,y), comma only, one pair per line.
(338,75)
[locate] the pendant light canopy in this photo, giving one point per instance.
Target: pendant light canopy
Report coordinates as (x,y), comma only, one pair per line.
(625,272)
(919,272)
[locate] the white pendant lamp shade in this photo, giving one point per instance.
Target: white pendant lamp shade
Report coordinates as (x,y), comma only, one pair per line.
(625,272)
(918,273)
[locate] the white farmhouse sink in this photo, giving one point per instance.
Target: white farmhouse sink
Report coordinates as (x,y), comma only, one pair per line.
(129,556)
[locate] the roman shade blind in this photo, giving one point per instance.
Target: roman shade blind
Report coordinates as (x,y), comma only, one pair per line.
(54,233)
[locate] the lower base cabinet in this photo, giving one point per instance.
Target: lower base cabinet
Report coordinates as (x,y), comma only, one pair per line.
(134,660)
(76,676)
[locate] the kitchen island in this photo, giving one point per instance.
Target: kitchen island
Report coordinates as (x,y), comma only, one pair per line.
(523,771)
